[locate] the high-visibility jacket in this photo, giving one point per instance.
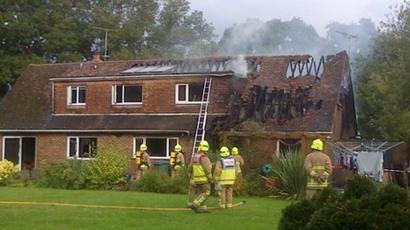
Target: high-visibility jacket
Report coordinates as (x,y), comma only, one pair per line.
(199,175)
(225,171)
(318,163)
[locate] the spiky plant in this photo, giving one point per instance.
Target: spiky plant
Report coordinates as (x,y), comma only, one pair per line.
(289,173)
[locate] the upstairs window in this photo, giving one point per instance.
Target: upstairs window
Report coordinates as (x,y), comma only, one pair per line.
(127,94)
(76,95)
(82,147)
(189,93)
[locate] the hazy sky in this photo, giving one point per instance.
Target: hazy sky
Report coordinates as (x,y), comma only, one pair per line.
(319,13)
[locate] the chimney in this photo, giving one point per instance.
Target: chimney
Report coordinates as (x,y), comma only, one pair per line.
(97,57)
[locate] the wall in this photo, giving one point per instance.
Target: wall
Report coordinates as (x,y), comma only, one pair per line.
(158,96)
(52,147)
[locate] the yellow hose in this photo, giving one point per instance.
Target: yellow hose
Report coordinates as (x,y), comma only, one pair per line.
(102,206)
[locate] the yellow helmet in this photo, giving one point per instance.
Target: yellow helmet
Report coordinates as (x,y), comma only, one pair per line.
(203,146)
(317,144)
(235,151)
(143,147)
(177,148)
(224,151)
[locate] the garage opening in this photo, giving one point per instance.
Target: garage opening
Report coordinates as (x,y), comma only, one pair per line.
(21,151)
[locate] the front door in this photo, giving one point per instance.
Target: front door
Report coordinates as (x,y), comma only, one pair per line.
(21,151)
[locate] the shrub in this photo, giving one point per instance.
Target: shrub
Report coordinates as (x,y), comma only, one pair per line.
(108,169)
(254,185)
(358,186)
(362,208)
(65,174)
(289,172)
(296,215)
(162,183)
(7,171)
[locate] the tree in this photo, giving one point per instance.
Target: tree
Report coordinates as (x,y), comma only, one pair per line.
(39,31)
(385,81)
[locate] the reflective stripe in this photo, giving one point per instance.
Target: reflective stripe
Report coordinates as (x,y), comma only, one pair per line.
(318,167)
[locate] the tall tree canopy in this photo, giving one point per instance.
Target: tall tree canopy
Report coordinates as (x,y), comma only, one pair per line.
(38,31)
(385,81)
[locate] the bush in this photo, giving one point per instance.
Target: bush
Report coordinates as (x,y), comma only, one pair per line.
(108,169)
(65,174)
(254,186)
(363,207)
(162,183)
(358,186)
(290,174)
(296,215)
(7,171)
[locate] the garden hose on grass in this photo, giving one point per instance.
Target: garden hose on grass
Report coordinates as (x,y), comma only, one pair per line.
(104,206)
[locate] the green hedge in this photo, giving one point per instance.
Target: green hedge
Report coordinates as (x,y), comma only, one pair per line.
(361,206)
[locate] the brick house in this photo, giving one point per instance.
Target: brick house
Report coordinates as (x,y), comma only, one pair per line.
(60,111)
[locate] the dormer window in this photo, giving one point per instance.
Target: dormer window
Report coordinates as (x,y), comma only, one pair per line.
(127,94)
(189,93)
(76,95)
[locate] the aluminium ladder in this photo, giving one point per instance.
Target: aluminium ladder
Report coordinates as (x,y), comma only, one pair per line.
(202,116)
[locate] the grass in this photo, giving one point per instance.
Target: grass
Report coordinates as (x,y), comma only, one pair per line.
(258,213)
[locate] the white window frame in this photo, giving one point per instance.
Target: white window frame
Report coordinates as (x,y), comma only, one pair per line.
(77,148)
(186,101)
(114,95)
(144,139)
(69,89)
(20,147)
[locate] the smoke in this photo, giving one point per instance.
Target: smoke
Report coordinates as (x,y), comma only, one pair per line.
(239,66)
(277,37)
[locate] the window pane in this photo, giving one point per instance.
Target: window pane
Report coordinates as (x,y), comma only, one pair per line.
(11,150)
(74,95)
(73,147)
(133,93)
(157,147)
(118,94)
(181,93)
(195,92)
(138,141)
(172,142)
(87,147)
(81,94)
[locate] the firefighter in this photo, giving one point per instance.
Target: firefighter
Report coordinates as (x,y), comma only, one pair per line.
(142,161)
(225,175)
(318,167)
(200,171)
(238,160)
(176,161)
(239,182)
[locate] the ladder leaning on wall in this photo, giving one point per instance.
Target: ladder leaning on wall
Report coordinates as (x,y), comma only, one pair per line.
(202,116)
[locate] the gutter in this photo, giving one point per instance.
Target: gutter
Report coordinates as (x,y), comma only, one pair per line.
(92,131)
(136,77)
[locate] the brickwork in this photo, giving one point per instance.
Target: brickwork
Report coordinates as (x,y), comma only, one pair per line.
(52,147)
(158,96)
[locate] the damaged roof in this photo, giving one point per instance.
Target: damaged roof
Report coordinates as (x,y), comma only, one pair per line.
(28,105)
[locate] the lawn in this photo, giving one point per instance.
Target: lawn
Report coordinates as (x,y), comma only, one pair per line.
(257,213)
